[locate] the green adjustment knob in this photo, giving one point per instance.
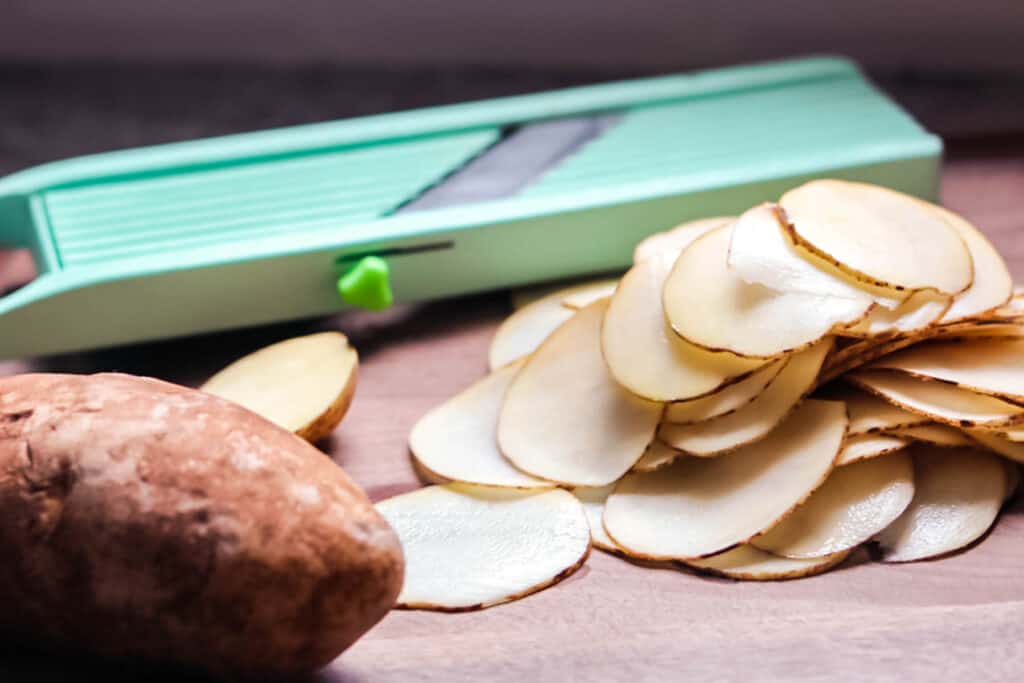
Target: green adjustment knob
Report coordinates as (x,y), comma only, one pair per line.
(367,284)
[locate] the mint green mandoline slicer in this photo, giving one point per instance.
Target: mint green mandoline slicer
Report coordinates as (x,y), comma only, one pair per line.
(298,222)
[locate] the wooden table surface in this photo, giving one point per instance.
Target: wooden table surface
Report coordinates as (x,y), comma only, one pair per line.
(958,618)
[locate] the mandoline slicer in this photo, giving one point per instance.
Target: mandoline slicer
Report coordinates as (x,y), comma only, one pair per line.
(236,231)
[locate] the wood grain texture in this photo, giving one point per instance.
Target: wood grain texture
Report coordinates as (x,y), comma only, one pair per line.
(958,618)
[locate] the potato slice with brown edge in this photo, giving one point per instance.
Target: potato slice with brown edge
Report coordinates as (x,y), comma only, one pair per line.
(958,493)
(865,446)
(700,507)
(941,402)
(303,384)
(747,563)
(593,500)
(871,414)
(856,502)
(646,356)
(657,455)
(566,419)
(757,418)
(935,434)
(985,366)
(458,440)
(471,547)
(678,238)
(1015,434)
(726,400)
(998,444)
(922,310)
(709,305)
(992,286)
(845,223)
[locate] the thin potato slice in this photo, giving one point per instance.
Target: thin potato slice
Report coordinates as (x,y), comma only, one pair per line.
(523,331)
(870,414)
(998,444)
(646,356)
(762,254)
(471,547)
(922,310)
(855,503)
(657,455)
(583,295)
(726,400)
(699,507)
(941,402)
(305,384)
(1015,434)
(673,241)
(935,434)
(709,305)
(985,366)
(992,286)
(566,419)
(988,330)
(757,418)
(593,500)
(747,563)
(879,236)
(868,446)
(575,292)
(458,440)
(957,497)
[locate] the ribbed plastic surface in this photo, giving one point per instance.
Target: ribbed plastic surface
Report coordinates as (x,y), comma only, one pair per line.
(699,138)
(242,203)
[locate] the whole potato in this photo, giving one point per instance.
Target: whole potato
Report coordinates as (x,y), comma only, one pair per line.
(144,520)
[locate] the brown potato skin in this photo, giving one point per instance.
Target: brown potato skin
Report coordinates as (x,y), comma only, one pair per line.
(143,520)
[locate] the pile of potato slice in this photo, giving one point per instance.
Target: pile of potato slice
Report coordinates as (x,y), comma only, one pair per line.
(756,397)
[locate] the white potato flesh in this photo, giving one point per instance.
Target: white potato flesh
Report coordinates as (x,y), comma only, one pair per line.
(756,419)
(657,455)
(699,507)
(1015,434)
(999,444)
(727,399)
(922,310)
(747,563)
(992,285)
(847,223)
(566,419)
(470,547)
(957,496)
(458,440)
(865,446)
(761,253)
(303,384)
(856,502)
(987,366)
(593,499)
(523,331)
(935,434)
(709,305)
(646,356)
(583,295)
(869,413)
(673,241)
(939,401)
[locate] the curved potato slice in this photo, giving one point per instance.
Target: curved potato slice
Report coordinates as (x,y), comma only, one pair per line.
(935,434)
(855,503)
(941,402)
(988,330)
(458,440)
(576,293)
(726,400)
(678,238)
(870,414)
(646,356)
(998,444)
(957,497)
(761,253)
(756,419)
(593,499)
(846,222)
(1015,434)
(305,384)
(526,329)
(709,305)
(866,446)
(566,419)
(985,366)
(657,455)
(471,547)
(583,295)
(922,310)
(699,507)
(992,286)
(747,563)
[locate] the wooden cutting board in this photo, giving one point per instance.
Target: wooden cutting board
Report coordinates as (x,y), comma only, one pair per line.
(954,619)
